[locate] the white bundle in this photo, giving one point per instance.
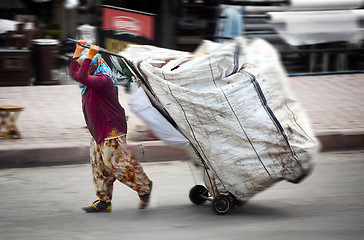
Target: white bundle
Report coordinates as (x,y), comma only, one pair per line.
(234,105)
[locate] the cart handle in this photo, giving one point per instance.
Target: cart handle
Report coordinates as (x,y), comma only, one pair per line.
(131,67)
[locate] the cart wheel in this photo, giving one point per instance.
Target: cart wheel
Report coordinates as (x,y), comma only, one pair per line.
(221,204)
(197,193)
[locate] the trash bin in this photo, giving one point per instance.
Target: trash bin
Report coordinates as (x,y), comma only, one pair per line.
(45,53)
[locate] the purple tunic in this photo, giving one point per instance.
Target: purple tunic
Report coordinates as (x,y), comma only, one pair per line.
(100,104)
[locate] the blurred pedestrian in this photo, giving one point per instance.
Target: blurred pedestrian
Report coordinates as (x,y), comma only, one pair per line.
(105,118)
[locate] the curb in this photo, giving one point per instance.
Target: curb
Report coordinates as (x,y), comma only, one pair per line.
(147,151)
(151,151)
(341,141)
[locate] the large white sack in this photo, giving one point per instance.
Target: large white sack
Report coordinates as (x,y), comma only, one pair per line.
(215,101)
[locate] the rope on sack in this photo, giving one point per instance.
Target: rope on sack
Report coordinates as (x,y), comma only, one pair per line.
(206,167)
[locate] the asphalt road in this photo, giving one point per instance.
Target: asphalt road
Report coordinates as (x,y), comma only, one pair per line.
(45,203)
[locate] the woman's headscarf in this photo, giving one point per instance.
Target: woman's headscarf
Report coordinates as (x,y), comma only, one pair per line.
(98,66)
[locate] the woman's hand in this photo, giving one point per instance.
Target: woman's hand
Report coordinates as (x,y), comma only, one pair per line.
(79,48)
(83,42)
(93,51)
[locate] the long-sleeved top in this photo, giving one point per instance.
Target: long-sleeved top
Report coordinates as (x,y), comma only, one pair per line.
(100,104)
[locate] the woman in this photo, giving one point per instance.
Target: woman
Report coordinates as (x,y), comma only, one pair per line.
(105,118)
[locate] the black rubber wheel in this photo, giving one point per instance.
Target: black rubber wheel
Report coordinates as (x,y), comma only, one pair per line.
(221,204)
(196,192)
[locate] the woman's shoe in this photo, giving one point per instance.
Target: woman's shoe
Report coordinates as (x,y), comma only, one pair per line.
(145,198)
(98,206)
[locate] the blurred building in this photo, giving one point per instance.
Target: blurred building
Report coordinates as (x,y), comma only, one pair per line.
(328,44)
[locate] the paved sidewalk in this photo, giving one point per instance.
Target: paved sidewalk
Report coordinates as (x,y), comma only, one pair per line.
(53,129)
(335,106)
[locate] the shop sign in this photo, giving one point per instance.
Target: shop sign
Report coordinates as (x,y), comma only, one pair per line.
(125,21)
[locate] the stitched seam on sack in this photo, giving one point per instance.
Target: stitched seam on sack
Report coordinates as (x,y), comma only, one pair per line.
(295,120)
(241,126)
(271,115)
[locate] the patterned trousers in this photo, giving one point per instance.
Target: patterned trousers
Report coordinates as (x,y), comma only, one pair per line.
(112,160)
